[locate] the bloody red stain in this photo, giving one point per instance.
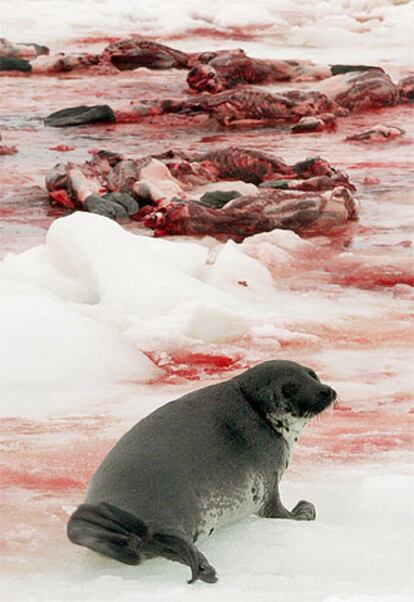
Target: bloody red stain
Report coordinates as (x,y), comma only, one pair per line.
(371,279)
(51,457)
(233,33)
(368,445)
(42,482)
(96,40)
(61,197)
(382,165)
(62,148)
(192,366)
(353,435)
(7,150)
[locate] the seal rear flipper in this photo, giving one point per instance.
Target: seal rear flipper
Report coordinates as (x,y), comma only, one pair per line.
(120,535)
(174,546)
(207,573)
(108,530)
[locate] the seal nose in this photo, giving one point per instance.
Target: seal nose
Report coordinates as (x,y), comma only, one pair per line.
(327,394)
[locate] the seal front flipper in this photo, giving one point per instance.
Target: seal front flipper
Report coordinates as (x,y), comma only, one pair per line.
(304,511)
(107,529)
(274,508)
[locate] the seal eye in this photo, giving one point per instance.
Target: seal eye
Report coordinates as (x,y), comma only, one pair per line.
(313,374)
(289,390)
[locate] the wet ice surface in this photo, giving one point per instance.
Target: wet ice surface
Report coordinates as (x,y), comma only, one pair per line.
(101,326)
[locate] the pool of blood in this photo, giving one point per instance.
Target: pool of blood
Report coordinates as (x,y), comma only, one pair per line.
(46,464)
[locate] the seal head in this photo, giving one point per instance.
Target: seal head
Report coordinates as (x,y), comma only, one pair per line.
(204,78)
(286,395)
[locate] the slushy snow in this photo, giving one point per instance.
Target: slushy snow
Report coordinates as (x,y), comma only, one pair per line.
(373,29)
(355,551)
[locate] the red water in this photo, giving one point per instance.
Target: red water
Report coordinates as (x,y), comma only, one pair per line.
(46,464)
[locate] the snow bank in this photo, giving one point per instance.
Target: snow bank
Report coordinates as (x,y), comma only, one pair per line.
(81,311)
(48,348)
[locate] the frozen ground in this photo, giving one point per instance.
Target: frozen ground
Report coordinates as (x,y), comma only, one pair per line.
(99,325)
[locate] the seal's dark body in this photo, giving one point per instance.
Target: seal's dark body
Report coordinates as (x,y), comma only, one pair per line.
(209,458)
(210,448)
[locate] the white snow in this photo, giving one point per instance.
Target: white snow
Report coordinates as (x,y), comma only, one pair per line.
(236,185)
(156,182)
(81,309)
(355,551)
(362,30)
